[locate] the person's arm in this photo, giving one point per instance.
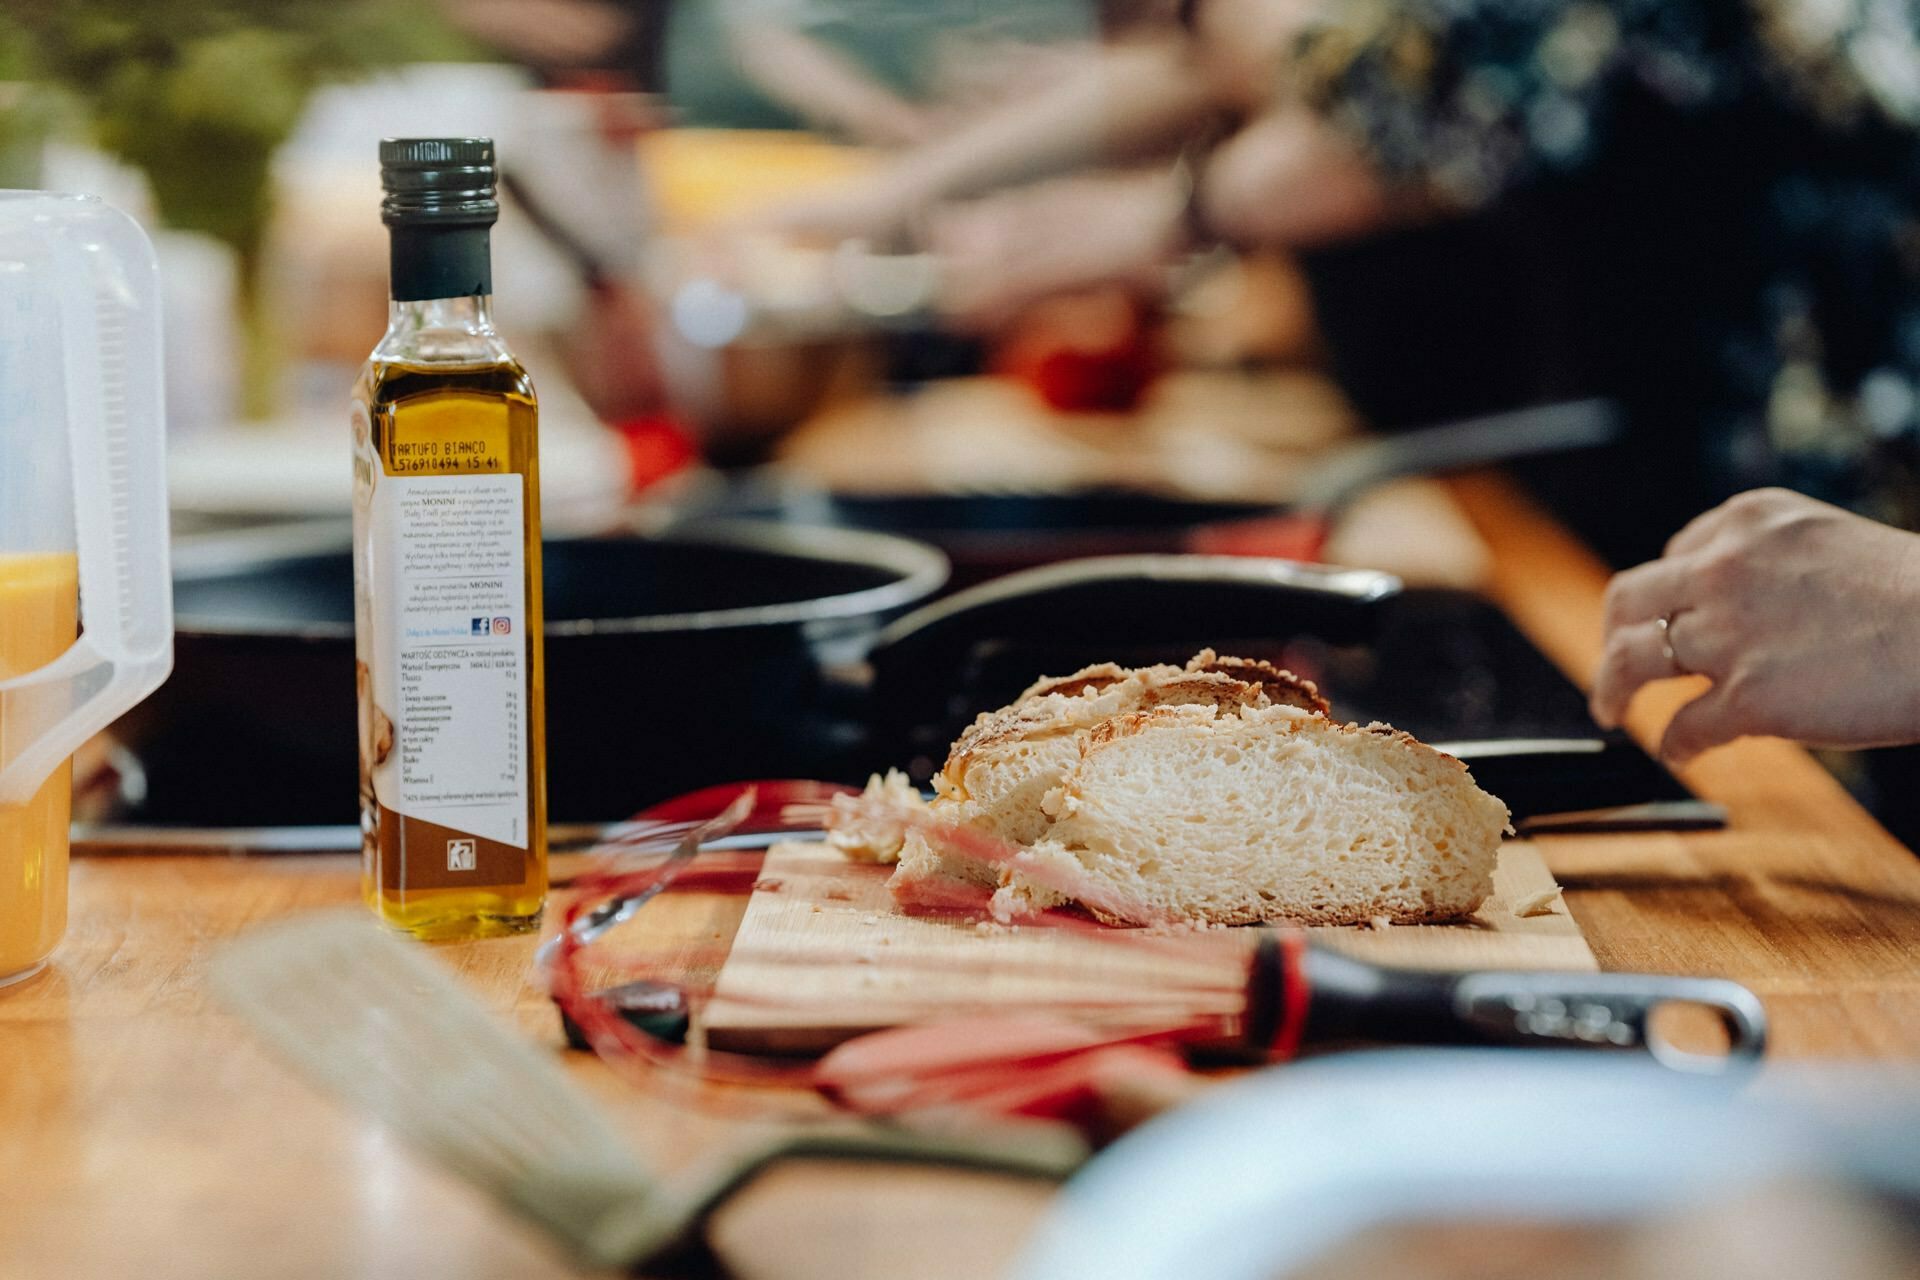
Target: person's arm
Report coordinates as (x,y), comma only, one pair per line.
(1006,251)
(1805,617)
(1288,180)
(1128,101)
(1291,179)
(1138,98)
(821,85)
(553,35)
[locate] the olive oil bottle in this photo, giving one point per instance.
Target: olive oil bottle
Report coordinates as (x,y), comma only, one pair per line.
(446,526)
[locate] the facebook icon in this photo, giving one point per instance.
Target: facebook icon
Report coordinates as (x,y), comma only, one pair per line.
(479,627)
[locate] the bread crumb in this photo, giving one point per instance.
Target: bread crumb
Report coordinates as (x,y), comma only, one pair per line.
(769,885)
(1379,924)
(869,918)
(815,908)
(1540,904)
(862,828)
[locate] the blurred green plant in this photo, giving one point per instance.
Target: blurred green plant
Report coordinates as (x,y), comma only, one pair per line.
(30,109)
(199,95)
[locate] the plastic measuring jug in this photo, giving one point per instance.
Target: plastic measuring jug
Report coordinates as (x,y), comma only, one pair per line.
(86,604)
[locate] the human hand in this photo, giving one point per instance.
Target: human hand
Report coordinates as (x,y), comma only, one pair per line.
(1000,254)
(1805,617)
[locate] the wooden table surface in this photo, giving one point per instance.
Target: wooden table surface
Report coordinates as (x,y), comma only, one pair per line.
(141,1131)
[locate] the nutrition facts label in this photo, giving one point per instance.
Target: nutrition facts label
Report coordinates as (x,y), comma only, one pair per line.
(449,607)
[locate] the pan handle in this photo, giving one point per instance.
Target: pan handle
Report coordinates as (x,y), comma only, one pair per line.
(1614,1009)
(1499,437)
(1139,599)
(1352,1000)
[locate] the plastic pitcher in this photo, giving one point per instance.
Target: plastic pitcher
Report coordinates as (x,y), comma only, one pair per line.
(86,604)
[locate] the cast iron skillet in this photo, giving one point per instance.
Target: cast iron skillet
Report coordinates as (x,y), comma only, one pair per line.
(987,535)
(727,651)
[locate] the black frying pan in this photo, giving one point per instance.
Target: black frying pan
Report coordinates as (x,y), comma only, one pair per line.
(718,653)
(986,535)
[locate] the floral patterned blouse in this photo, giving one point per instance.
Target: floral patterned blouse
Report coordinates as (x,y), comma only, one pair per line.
(1782,136)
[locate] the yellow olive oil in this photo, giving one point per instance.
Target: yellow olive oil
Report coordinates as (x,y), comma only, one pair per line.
(447,592)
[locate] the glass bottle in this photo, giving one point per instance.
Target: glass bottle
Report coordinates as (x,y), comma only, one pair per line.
(447,604)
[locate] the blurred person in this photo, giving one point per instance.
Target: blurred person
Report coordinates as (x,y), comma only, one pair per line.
(1705,209)
(1714,201)
(1702,208)
(872,72)
(1139,98)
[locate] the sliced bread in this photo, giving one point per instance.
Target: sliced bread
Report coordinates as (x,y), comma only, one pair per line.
(1001,769)
(1199,815)
(1218,792)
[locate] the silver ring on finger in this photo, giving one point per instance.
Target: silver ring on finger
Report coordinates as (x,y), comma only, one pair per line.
(1664,625)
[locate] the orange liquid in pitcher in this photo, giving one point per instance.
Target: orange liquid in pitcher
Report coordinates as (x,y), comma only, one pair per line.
(39,616)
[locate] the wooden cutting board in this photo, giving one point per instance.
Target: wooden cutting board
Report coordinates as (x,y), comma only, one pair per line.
(823,955)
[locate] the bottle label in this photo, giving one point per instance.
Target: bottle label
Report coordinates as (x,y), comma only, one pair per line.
(454,433)
(447,574)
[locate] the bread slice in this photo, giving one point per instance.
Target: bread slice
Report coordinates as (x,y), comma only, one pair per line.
(1218,792)
(1001,769)
(1229,817)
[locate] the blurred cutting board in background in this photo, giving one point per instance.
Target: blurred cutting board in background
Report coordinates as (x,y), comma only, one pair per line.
(823,955)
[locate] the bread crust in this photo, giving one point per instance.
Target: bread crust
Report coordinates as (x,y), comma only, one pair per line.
(1282,687)
(1113,728)
(1072,703)
(1098,676)
(1203,688)
(1021,722)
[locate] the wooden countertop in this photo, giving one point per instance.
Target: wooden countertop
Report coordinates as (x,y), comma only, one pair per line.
(142,1132)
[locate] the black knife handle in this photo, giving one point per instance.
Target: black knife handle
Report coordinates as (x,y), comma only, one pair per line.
(1355,1001)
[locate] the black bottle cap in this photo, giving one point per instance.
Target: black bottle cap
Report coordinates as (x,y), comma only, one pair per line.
(437,181)
(439,204)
